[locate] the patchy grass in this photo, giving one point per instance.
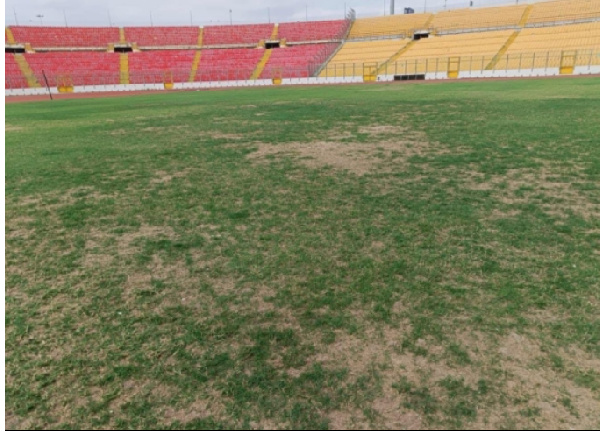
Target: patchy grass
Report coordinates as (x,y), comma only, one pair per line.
(396,256)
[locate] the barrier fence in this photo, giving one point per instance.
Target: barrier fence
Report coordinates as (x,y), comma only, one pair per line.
(542,61)
(56,80)
(565,62)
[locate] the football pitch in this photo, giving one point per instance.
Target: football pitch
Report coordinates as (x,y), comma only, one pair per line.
(373,256)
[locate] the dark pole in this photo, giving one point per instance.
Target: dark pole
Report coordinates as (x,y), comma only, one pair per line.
(47,85)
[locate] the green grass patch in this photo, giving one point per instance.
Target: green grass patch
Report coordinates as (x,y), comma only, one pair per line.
(380,256)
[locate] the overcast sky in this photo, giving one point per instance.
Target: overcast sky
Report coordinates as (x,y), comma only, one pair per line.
(177,12)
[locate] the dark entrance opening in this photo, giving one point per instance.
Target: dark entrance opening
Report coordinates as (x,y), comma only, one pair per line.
(123,49)
(272,45)
(419,36)
(420,77)
(14,50)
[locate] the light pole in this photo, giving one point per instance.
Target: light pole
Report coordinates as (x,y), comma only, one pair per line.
(151,21)
(230,17)
(16,19)
(41,17)
(191,19)
(65,16)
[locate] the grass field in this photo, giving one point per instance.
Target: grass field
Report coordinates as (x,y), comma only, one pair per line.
(385,256)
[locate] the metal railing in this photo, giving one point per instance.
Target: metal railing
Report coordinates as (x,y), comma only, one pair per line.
(467,63)
(147,77)
(323,56)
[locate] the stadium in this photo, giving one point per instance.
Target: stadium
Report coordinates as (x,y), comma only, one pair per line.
(539,39)
(373,222)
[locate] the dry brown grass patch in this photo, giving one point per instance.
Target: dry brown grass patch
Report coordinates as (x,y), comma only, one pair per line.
(125,242)
(228,136)
(9,128)
(118,132)
(358,158)
(376,130)
(98,260)
(525,186)
(199,409)
(162,177)
(184,286)
(543,387)
(351,419)
(517,356)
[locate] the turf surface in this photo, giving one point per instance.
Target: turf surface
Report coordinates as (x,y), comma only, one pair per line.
(386,256)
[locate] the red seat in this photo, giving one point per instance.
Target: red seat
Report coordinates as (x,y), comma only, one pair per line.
(66,37)
(82,68)
(13,78)
(162,36)
(97,68)
(236,34)
(312,30)
(299,61)
(228,64)
(160,66)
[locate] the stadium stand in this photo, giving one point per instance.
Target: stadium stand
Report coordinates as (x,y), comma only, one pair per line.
(8,36)
(160,66)
(476,51)
(543,47)
(394,25)
(294,61)
(162,36)
(228,64)
(66,37)
(484,18)
(349,60)
(236,34)
(13,78)
(313,31)
(83,68)
(564,11)
(550,34)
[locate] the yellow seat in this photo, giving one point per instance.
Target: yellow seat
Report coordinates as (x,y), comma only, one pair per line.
(482,18)
(476,51)
(394,25)
(537,48)
(351,59)
(564,11)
